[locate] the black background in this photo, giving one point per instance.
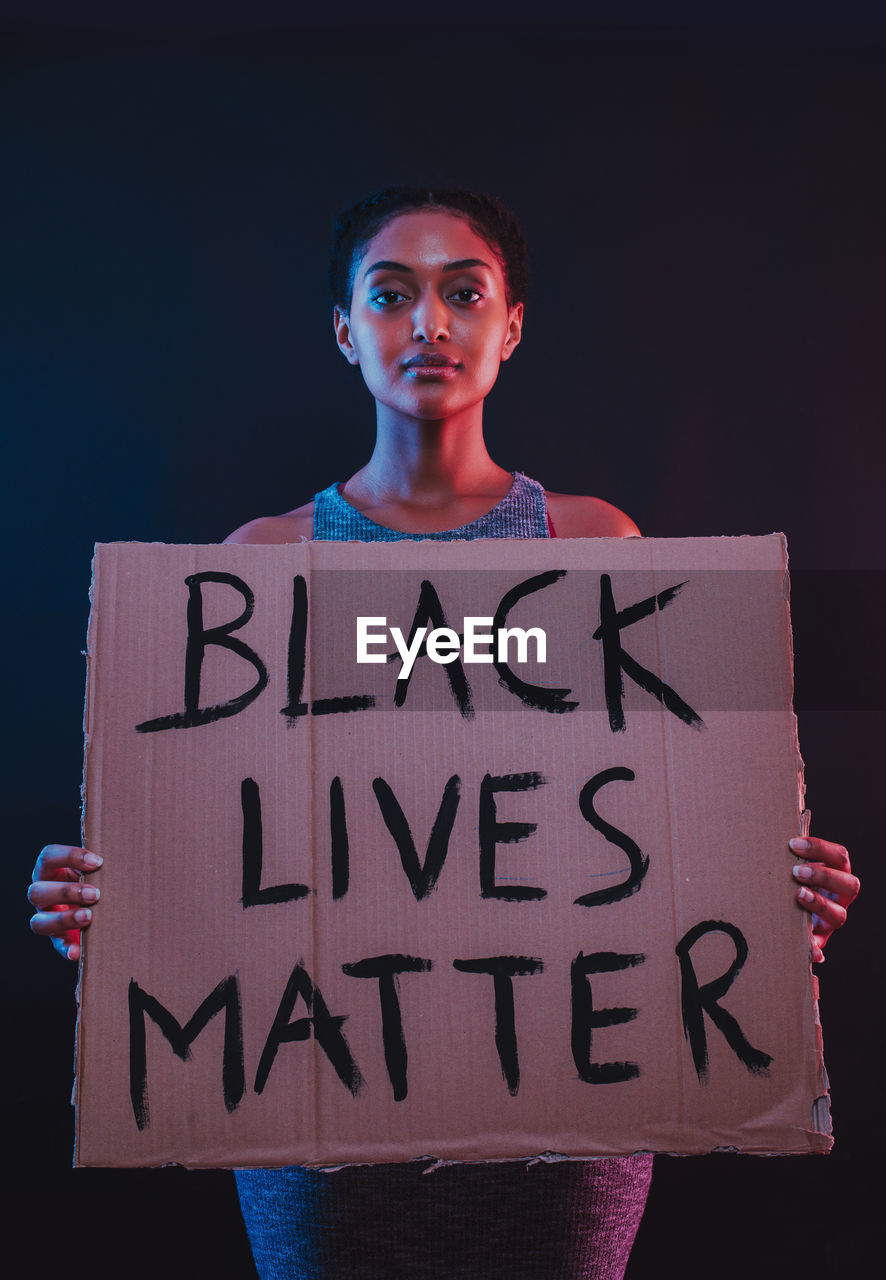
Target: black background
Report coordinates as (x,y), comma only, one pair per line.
(703,347)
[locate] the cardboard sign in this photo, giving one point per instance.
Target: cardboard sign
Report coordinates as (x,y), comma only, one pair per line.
(476,895)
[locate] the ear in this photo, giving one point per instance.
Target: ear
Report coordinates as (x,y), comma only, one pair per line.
(342,325)
(515,331)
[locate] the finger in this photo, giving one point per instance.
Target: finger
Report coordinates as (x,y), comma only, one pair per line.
(831,915)
(53,924)
(69,945)
(832,855)
(56,861)
(842,883)
(45,895)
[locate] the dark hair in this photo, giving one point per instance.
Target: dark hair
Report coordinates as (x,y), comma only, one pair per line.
(487,216)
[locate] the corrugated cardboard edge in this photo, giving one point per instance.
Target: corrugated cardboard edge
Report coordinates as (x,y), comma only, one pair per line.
(820,1125)
(87,722)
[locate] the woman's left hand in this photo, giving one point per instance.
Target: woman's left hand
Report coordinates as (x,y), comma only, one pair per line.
(827,887)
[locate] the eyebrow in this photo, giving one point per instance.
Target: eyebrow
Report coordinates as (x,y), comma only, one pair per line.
(461,265)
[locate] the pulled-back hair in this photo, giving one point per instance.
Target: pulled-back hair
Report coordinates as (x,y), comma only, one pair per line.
(486,215)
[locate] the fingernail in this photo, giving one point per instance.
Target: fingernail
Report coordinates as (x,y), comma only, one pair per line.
(803,871)
(805,896)
(90,894)
(798,844)
(91,860)
(84,915)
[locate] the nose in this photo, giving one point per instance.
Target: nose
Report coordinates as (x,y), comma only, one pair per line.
(430,320)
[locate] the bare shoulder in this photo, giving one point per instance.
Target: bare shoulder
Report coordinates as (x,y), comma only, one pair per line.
(294,526)
(576,515)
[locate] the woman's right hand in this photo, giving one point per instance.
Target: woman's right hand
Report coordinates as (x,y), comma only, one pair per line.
(62,901)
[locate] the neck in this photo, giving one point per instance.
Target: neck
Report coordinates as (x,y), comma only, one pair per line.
(422,461)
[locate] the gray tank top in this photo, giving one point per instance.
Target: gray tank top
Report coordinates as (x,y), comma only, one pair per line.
(565,1220)
(522,513)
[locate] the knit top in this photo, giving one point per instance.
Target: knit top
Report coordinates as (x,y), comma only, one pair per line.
(522,513)
(517,1220)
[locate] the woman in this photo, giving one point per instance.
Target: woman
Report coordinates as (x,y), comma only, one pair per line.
(428,290)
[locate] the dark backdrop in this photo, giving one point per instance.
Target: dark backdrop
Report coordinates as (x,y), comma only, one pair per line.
(703,347)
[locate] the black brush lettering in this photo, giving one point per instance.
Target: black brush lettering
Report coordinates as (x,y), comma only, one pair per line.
(616,662)
(338,706)
(422,876)
(429,613)
(295,668)
(639,862)
(585,1017)
(493,833)
(531,695)
(387,970)
(253,855)
(326,1029)
(700,1000)
(296,652)
(197,643)
(503,970)
(338,838)
(223,998)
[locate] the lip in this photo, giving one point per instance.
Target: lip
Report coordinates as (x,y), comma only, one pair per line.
(431,361)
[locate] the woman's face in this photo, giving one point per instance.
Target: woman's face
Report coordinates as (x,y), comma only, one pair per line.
(429,323)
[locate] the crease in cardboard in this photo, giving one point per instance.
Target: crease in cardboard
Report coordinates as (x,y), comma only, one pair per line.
(316,1108)
(673,839)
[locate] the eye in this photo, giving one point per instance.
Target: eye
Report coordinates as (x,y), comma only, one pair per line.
(467,295)
(386,297)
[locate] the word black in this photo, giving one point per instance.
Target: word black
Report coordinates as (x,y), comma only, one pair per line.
(429,618)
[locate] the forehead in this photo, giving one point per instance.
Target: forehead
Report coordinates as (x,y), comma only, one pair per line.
(427,238)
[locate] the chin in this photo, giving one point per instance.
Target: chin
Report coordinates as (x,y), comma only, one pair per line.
(433,407)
